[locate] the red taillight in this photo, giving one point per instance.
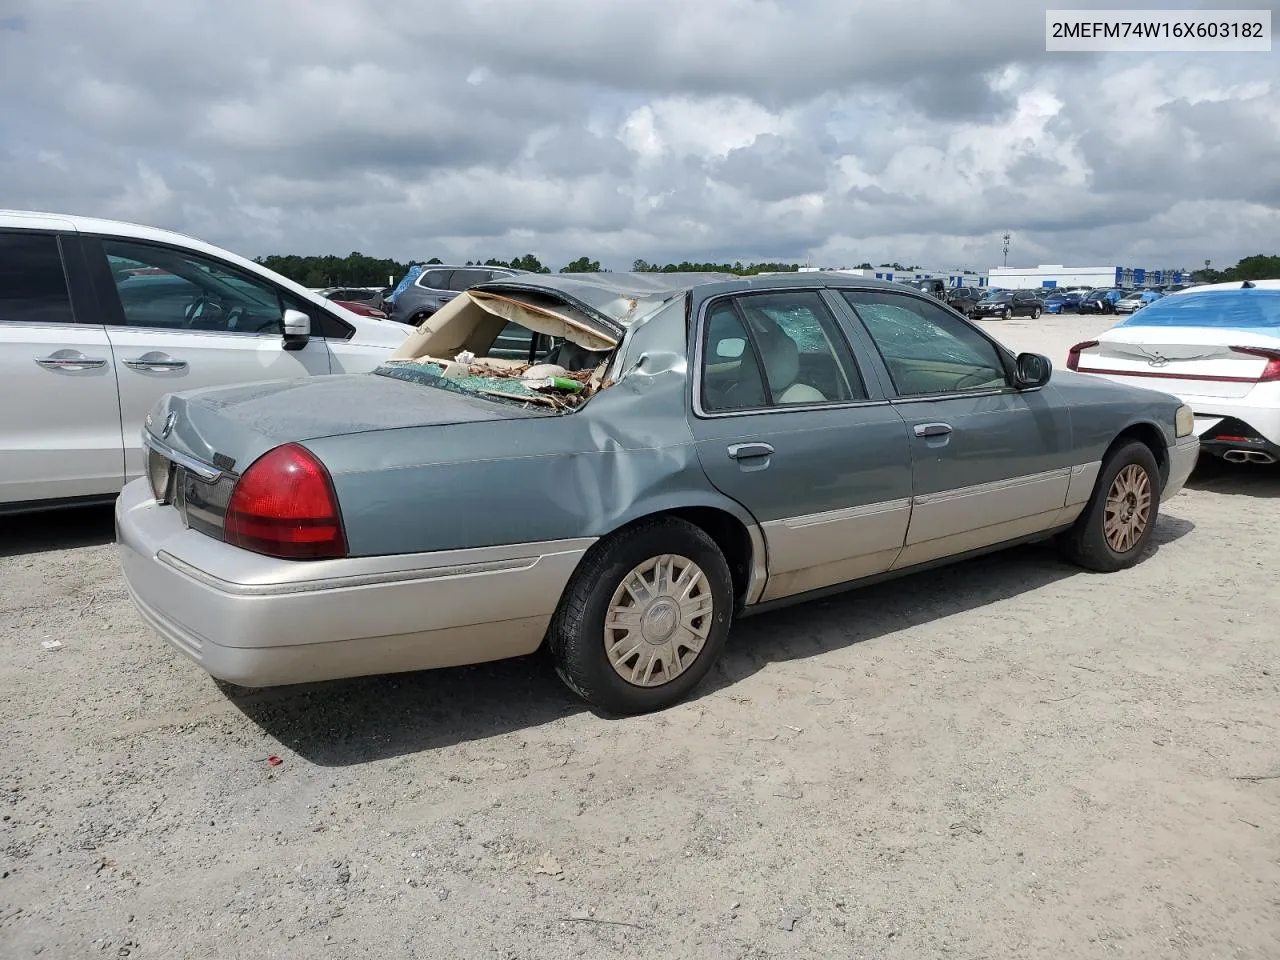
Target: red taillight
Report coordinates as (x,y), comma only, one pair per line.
(1272,370)
(1073,355)
(284,506)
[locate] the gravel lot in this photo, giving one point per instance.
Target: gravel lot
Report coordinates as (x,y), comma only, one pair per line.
(1007,758)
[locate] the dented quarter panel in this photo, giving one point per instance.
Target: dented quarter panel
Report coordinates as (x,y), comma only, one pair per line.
(625,454)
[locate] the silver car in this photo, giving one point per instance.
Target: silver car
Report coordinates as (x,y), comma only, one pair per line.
(673,451)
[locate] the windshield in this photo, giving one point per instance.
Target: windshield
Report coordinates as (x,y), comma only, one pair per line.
(1237,309)
(998,295)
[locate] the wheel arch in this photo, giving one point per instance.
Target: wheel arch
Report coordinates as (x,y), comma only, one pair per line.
(1149,435)
(734,531)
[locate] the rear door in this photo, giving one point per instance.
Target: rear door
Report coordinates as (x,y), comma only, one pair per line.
(787,425)
(179,320)
(59,412)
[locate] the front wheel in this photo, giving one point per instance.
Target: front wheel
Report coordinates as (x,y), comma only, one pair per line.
(644,617)
(1115,527)
(1006,315)
(1035,313)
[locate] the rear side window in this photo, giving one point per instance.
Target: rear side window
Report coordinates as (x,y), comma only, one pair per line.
(33,287)
(435,279)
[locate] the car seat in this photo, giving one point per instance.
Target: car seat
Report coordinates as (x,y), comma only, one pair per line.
(781,357)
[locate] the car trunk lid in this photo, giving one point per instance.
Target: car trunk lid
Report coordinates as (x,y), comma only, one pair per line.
(230,427)
(1185,361)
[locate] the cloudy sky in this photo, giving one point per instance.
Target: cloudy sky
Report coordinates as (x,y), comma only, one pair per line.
(828,131)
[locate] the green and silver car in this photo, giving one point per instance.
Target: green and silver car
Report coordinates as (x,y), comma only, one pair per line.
(671,452)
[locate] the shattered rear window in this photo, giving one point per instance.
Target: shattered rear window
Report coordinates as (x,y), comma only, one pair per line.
(560,391)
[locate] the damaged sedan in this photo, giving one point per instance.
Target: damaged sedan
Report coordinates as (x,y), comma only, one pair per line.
(613,467)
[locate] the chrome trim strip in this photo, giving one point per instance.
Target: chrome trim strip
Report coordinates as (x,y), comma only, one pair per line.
(342,583)
(204,471)
(995,486)
(845,513)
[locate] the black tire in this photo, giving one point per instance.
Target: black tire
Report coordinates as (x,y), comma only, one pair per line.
(418,317)
(1035,313)
(576,638)
(1085,543)
(1008,314)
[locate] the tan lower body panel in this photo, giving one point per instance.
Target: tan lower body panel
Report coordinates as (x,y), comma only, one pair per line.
(811,552)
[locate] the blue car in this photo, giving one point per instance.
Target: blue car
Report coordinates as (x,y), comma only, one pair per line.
(1062,302)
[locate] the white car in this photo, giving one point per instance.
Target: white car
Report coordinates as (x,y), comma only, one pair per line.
(1217,347)
(99,319)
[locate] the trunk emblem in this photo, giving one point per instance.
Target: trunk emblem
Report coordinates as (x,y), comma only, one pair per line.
(167,429)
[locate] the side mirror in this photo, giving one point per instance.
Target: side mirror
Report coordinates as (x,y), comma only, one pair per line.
(297,329)
(1032,370)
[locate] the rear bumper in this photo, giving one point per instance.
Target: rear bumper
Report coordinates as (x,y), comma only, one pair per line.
(1182,460)
(257,621)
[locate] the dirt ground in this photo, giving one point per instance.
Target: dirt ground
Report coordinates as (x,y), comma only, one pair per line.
(1008,758)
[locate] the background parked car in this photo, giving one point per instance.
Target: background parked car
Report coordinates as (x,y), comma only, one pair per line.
(1218,348)
(430,288)
(1063,301)
(1100,301)
(425,516)
(99,319)
(1009,303)
(964,299)
(1135,300)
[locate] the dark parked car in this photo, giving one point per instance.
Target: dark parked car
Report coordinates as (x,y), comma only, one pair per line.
(425,290)
(1100,301)
(964,299)
(1009,303)
(933,286)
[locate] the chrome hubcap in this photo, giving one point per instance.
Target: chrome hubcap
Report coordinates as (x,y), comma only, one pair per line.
(658,620)
(1128,509)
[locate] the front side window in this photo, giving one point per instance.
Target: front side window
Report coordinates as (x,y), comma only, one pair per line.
(775,349)
(171,289)
(926,349)
(33,288)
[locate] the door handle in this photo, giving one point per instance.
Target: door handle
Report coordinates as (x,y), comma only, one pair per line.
(70,360)
(932,429)
(156,361)
(743,451)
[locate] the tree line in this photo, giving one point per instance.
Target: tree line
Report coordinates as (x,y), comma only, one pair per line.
(358,270)
(1257,267)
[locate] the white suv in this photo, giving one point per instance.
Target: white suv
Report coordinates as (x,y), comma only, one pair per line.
(99,319)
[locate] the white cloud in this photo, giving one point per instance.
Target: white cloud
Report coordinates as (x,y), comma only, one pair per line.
(727,129)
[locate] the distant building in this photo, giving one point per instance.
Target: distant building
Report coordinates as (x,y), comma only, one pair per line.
(953,278)
(1056,275)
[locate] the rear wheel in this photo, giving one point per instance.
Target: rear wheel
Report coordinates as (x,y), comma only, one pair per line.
(644,617)
(1113,531)
(1035,313)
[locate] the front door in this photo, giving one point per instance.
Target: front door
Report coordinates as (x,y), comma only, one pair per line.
(59,413)
(991,463)
(786,425)
(182,321)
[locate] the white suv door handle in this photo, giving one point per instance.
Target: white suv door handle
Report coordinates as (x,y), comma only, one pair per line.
(70,360)
(155,360)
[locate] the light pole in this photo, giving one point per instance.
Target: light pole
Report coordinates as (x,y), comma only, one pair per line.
(1005,238)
